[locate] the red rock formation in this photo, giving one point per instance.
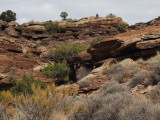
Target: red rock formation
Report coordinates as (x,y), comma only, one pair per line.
(134,44)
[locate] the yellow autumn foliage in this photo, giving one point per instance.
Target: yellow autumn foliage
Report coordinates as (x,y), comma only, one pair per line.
(43,102)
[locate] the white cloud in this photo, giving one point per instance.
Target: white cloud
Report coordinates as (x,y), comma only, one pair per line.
(131,11)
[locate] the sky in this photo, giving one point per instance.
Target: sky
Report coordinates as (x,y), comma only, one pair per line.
(131,11)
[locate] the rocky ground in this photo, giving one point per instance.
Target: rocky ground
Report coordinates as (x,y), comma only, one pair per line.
(23,49)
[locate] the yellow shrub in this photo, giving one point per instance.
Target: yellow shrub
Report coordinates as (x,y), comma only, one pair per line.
(44,102)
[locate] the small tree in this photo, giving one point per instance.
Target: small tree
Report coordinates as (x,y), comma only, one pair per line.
(59,70)
(122,27)
(64,15)
(97,15)
(8,16)
(67,52)
(52,27)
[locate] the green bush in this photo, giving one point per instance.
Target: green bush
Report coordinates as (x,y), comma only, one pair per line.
(59,70)
(50,55)
(67,52)
(111,15)
(52,27)
(6,70)
(44,42)
(8,16)
(23,86)
(12,80)
(21,27)
(64,15)
(38,82)
(99,38)
(121,27)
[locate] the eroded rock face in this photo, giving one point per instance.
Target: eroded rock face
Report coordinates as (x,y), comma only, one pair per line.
(35,28)
(16,59)
(91,26)
(11,31)
(141,25)
(134,44)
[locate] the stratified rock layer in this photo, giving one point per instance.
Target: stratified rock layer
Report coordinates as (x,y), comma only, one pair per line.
(134,44)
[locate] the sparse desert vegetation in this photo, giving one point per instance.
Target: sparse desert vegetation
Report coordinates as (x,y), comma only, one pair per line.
(64,70)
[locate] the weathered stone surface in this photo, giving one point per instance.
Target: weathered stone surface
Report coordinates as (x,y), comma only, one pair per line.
(12,23)
(35,28)
(141,25)
(32,23)
(3,23)
(11,31)
(128,44)
(148,44)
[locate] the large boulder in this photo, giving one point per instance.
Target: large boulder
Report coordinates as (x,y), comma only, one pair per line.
(32,23)
(134,44)
(11,31)
(35,28)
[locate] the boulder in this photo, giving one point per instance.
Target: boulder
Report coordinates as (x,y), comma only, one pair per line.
(12,23)
(134,44)
(35,28)
(85,57)
(11,31)
(32,23)
(3,24)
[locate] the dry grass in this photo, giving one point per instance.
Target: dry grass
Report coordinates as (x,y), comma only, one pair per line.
(154,95)
(43,103)
(122,71)
(143,77)
(115,102)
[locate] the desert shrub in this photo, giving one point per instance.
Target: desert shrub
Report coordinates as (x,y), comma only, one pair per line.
(38,82)
(44,42)
(52,27)
(35,42)
(121,27)
(59,71)
(105,105)
(140,78)
(154,95)
(21,27)
(23,85)
(155,59)
(118,104)
(12,80)
(111,15)
(114,69)
(43,104)
(97,39)
(156,73)
(50,55)
(67,52)
(141,109)
(83,84)
(113,87)
(4,113)
(121,71)
(6,70)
